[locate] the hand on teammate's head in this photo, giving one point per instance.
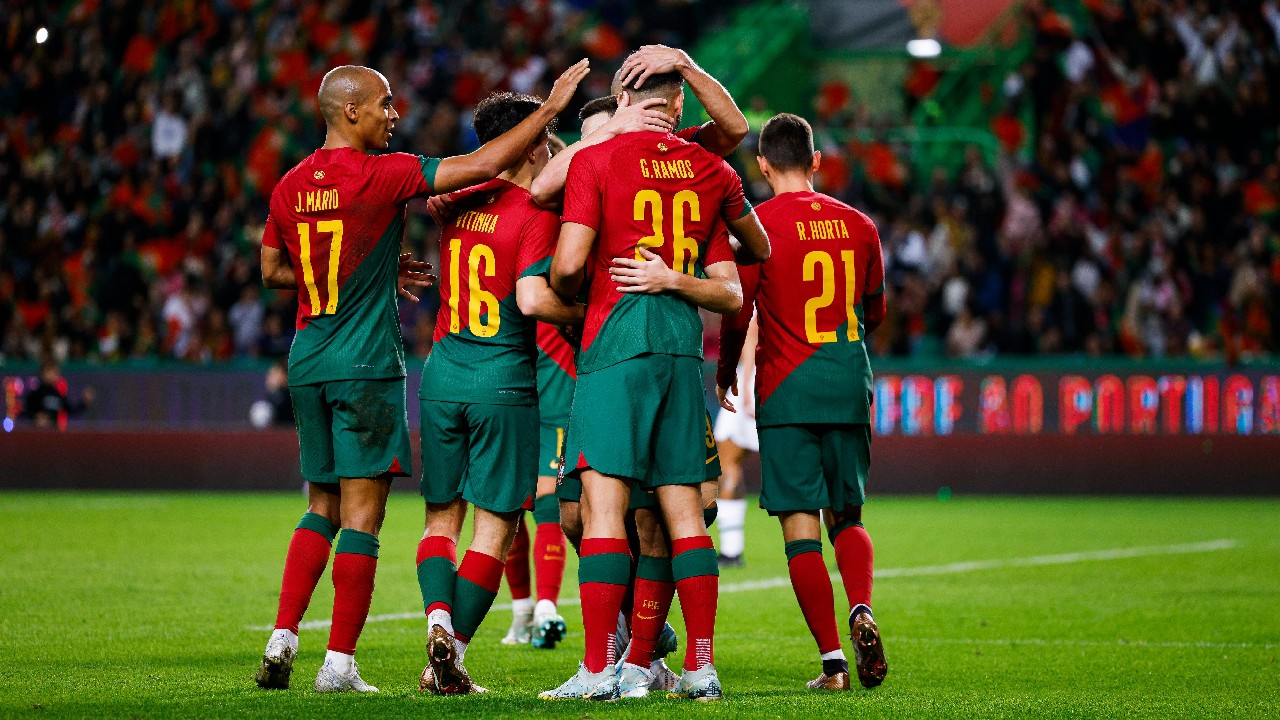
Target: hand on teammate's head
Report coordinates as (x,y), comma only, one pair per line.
(643,116)
(650,60)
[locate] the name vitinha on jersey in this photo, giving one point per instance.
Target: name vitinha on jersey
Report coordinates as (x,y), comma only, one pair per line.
(477,221)
(822,229)
(317,200)
(667,169)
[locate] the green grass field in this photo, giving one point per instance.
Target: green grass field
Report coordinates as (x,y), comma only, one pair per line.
(153,605)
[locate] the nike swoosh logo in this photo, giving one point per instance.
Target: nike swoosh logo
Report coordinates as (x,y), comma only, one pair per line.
(646,617)
(712,458)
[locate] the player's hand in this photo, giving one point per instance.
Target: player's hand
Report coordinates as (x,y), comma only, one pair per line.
(723,395)
(441,209)
(649,276)
(643,116)
(413,273)
(566,85)
(653,60)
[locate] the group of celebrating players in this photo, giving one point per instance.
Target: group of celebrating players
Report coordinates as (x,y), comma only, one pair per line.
(569,341)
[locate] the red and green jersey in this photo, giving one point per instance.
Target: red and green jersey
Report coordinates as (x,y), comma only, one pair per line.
(811,361)
(557,374)
(484,349)
(660,192)
(340,216)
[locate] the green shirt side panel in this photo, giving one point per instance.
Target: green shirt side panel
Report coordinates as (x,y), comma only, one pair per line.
(833,385)
(495,370)
(644,324)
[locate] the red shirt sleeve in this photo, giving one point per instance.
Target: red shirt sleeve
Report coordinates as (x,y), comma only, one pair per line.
(271,234)
(537,243)
(690,134)
(582,193)
(405,176)
(733,328)
(735,202)
(718,247)
(873,283)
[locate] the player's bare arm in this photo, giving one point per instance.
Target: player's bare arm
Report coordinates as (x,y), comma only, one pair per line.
(277,273)
(754,243)
(728,125)
(495,156)
(548,187)
(538,301)
(719,292)
(568,267)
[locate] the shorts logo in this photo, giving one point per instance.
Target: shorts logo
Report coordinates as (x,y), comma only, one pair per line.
(319,175)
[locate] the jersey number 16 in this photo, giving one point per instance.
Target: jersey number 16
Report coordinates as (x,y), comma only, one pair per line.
(483,314)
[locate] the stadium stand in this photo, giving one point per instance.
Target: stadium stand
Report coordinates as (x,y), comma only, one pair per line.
(1130,207)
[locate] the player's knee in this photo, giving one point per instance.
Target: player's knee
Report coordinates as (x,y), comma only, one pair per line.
(571,522)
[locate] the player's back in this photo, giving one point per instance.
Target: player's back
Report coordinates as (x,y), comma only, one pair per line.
(655,191)
(340,216)
(484,348)
(812,361)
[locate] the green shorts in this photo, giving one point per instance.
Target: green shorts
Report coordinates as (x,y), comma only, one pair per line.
(643,419)
(352,429)
(813,467)
(713,453)
(486,454)
(550,448)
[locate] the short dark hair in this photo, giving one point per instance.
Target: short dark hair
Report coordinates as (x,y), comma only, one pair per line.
(608,104)
(786,141)
(502,111)
(661,85)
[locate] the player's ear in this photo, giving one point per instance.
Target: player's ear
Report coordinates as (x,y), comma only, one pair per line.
(351,111)
(817,160)
(765,170)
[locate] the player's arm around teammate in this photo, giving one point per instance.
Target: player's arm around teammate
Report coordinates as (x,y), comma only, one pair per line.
(728,126)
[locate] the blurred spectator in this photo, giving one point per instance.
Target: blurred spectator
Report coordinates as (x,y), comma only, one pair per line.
(277,408)
(49,403)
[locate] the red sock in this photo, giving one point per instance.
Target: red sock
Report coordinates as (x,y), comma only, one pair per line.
(602,575)
(698,583)
(812,585)
(856,561)
(352,593)
(548,560)
(652,604)
(518,563)
(303,565)
(437,590)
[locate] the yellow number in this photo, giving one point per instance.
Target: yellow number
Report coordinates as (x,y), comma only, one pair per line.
(685,249)
(479,297)
(335,252)
(555,464)
(812,261)
(654,201)
(455,252)
(309,274)
(480,301)
(850,294)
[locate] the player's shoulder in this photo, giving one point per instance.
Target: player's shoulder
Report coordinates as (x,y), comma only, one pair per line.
(850,213)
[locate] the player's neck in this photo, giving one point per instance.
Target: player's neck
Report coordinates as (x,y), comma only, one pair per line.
(334,140)
(521,175)
(790,182)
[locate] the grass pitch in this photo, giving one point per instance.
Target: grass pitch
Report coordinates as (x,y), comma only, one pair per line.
(152,606)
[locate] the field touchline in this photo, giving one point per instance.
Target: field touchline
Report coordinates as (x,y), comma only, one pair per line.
(944,569)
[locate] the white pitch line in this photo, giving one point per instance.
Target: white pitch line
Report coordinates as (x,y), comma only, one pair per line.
(1086,643)
(923,570)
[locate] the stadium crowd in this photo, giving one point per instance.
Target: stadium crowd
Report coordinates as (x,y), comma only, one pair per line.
(139,143)
(1141,221)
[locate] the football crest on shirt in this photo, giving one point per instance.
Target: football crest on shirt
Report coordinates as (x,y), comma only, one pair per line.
(319,174)
(662,147)
(815,205)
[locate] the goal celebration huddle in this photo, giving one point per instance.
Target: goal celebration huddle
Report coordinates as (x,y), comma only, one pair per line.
(566,377)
